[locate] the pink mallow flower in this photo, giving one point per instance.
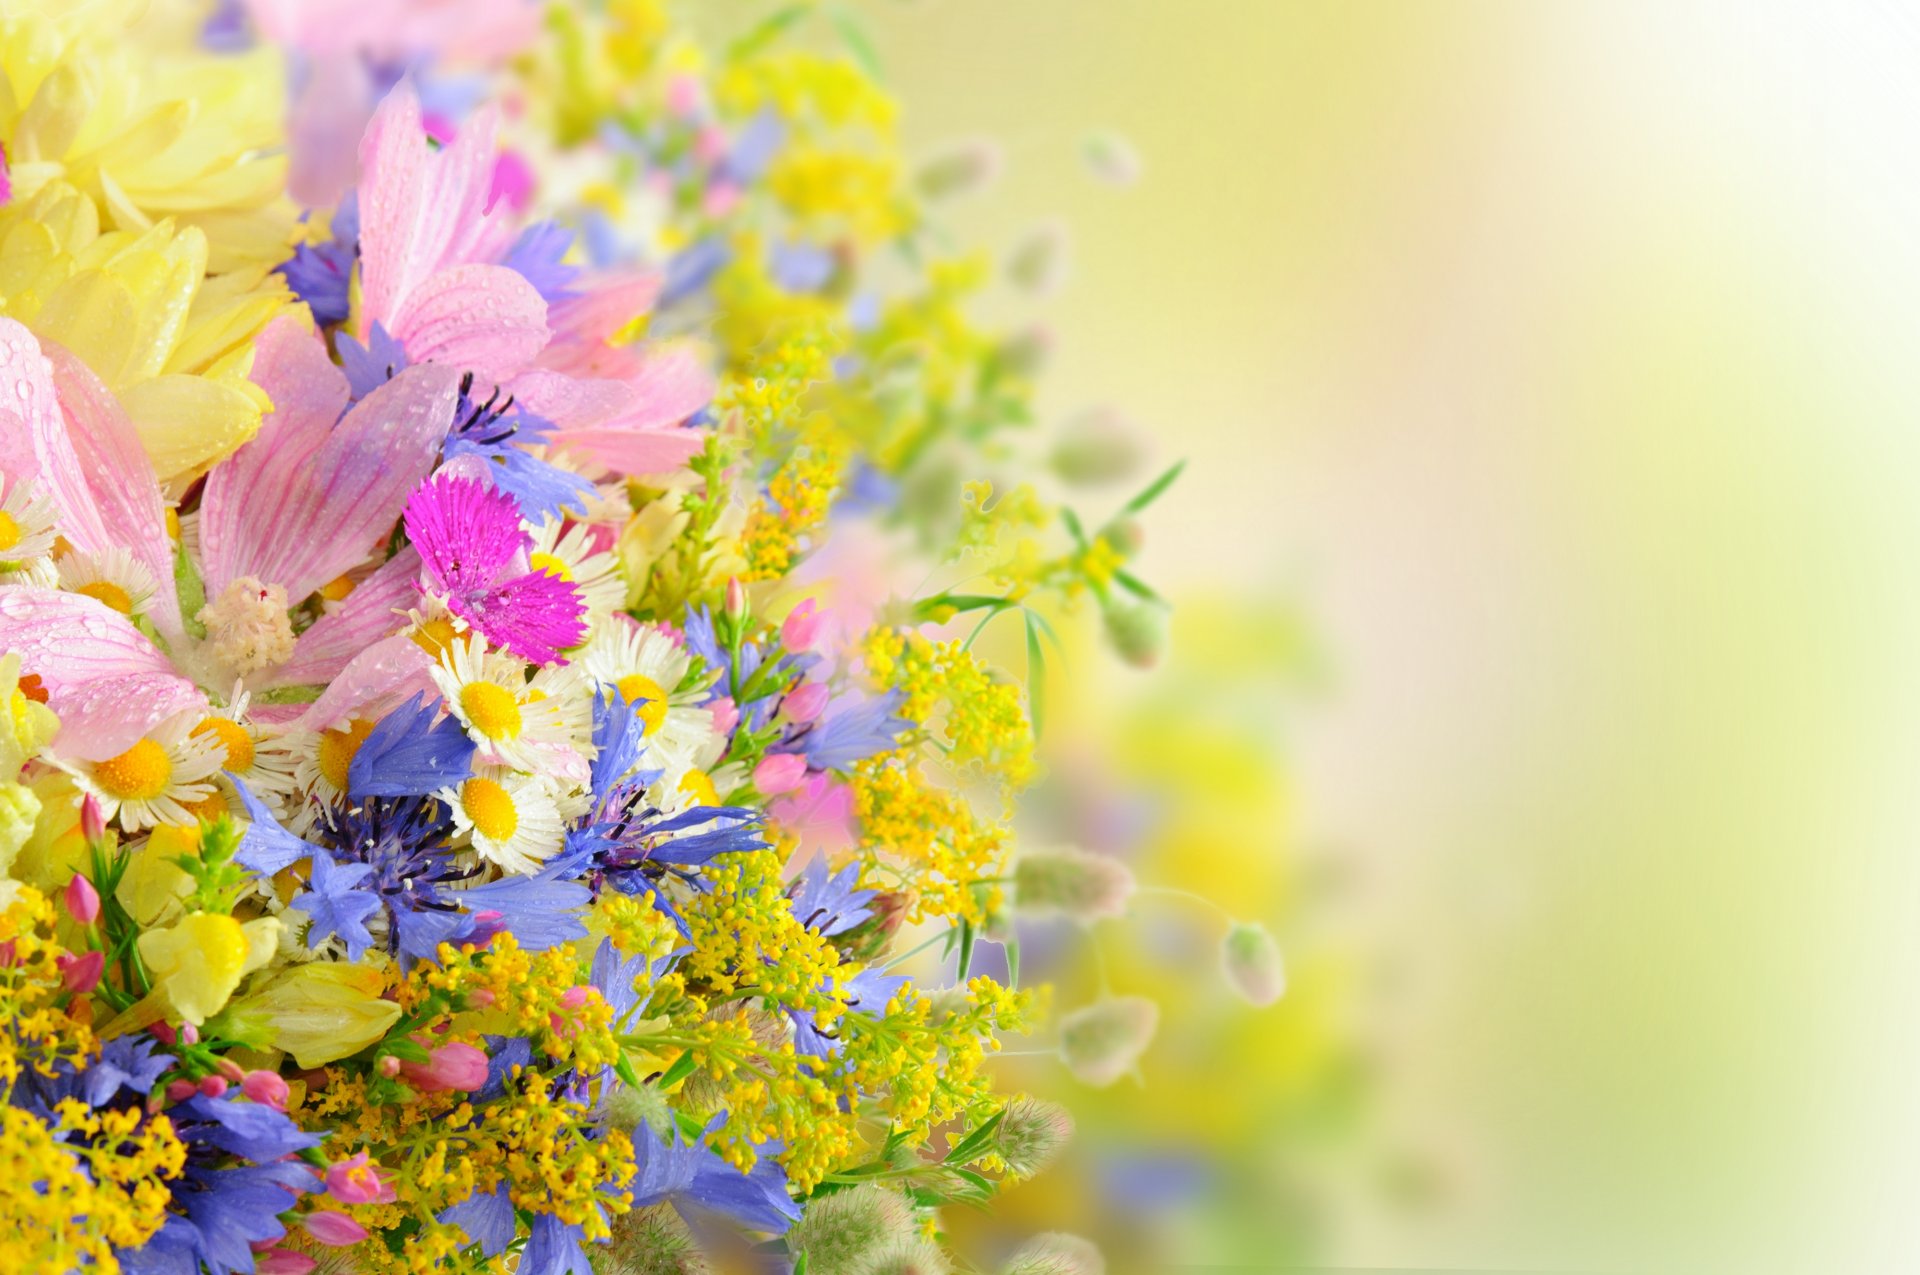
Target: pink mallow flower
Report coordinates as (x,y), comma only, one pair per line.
(453,1066)
(779,772)
(358,1181)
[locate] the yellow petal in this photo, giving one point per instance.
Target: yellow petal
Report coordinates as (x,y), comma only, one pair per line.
(324,1011)
(197,963)
(188,422)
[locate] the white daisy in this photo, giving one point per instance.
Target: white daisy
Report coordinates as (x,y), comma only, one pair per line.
(568,552)
(157,779)
(647,667)
(111,576)
(267,772)
(510,819)
(319,761)
(26,525)
(488,694)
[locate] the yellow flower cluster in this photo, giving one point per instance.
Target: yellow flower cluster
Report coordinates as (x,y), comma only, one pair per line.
(831,189)
(953,695)
(529,998)
(953,857)
(813,92)
(924,1059)
(36,1031)
(746,940)
(551,1162)
(82,1185)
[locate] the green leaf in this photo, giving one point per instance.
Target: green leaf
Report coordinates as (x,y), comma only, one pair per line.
(1036,677)
(966,948)
(858,43)
(625,1070)
(1012,948)
(983,1187)
(1072,520)
(767,31)
(1136,586)
(800,1263)
(191,592)
(682,1068)
(971,1146)
(1155,489)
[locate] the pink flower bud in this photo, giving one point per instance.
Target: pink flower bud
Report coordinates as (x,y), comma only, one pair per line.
(232,1070)
(358,1181)
(83,901)
(335,1230)
(726,714)
(93,821)
(480,998)
(736,598)
(449,1067)
(683,95)
(575,997)
(283,1261)
(388,1066)
(189,1034)
(181,1090)
(266,1088)
(801,628)
(805,702)
(80,972)
(213,1086)
(779,772)
(720,199)
(162,1032)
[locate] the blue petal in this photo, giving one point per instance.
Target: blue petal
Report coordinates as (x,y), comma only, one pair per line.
(250,1129)
(266,847)
(487,1218)
(854,732)
(541,911)
(411,755)
(553,1248)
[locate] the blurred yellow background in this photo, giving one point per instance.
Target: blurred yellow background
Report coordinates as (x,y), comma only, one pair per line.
(1555,358)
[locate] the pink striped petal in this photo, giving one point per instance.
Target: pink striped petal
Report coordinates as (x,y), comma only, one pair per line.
(593,317)
(322,515)
(291,366)
(421,210)
(371,612)
(629,426)
(374,681)
(104,680)
(103,485)
(487,319)
(26,399)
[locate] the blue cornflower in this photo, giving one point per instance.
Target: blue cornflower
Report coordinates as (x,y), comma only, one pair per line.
(496,432)
(754,149)
(321,274)
(830,905)
(338,903)
(411,754)
(853,730)
(692,1175)
(369,366)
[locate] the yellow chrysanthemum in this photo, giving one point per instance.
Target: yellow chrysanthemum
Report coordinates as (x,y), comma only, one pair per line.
(148,210)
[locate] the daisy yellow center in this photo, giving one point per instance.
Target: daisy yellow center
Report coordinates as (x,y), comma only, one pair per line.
(10,533)
(491,709)
(337,748)
(435,635)
(699,785)
(490,807)
(110,593)
(233,737)
(648,700)
(550,564)
(139,774)
(209,808)
(173,523)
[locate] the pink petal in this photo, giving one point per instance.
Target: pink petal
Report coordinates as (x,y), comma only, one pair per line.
(488,319)
(103,485)
(26,399)
(104,680)
(375,680)
(631,425)
(301,522)
(369,614)
(595,316)
(421,211)
(324,127)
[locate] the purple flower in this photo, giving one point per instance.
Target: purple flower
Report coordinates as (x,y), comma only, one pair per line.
(853,731)
(338,903)
(830,905)
(469,538)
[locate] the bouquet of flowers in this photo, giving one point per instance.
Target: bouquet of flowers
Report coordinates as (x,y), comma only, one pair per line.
(484,733)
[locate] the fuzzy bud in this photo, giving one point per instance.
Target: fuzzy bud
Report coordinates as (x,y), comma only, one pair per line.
(83,901)
(335,1230)
(1103,1041)
(1031,1134)
(1076,884)
(1038,262)
(961,169)
(837,1231)
(909,1255)
(1026,353)
(265,1087)
(801,629)
(1112,158)
(80,971)
(652,1241)
(779,772)
(1057,1253)
(93,821)
(1251,960)
(805,702)
(1138,631)
(1097,447)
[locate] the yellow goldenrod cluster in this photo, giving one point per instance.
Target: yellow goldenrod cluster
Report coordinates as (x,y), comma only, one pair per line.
(552,1163)
(37,1030)
(929,837)
(538,995)
(923,1060)
(949,692)
(746,940)
(813,92)
(82,1185)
